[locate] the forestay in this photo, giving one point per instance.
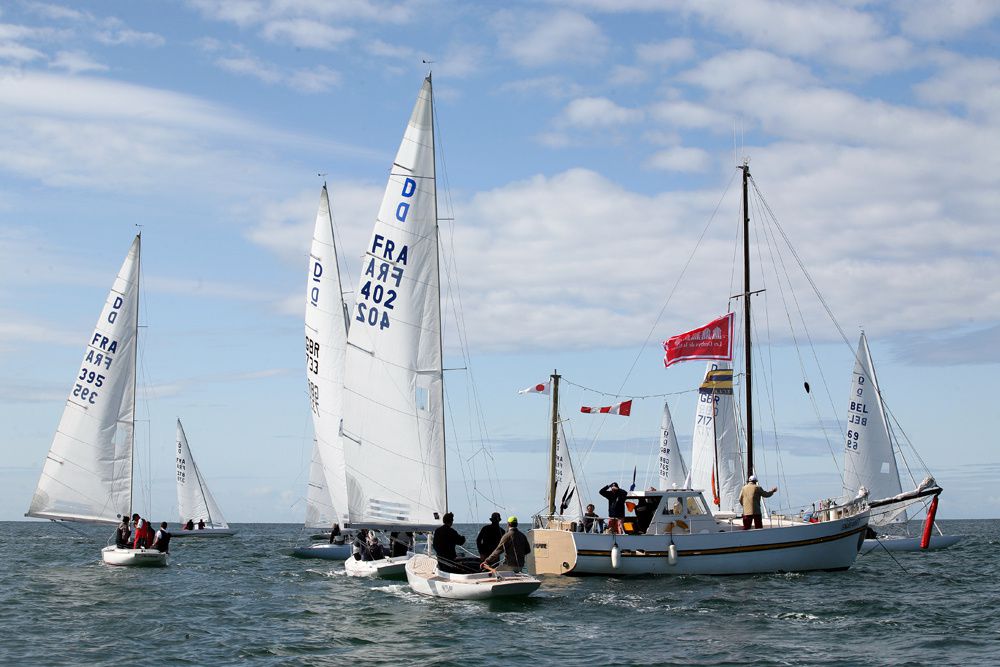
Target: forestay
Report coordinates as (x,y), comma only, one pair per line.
(869,460)
(326,339)
(716,460)
(393,402)
(194,499)
(673,472)
(87,475)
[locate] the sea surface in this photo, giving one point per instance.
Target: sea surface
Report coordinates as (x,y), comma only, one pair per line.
(244,601)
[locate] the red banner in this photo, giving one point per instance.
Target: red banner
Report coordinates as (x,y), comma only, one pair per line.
(624,409)
(712,341)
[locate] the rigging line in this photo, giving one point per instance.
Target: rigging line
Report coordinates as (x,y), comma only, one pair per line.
(635,398)
(677,282)
(338,251)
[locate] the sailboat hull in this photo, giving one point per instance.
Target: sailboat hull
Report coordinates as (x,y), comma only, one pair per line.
(424,578)
(206,532)
(384,568)
(133,557)
(324,551)
(903,544)
(831,545)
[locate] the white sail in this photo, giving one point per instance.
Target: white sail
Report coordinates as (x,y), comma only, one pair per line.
(194,499)
(567,499)
(326,340)
(673,472)
(716,460)
(87,475)
(869,460)
(319,510)
(393,429)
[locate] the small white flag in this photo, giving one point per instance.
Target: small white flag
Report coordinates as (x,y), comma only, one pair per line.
(542,388)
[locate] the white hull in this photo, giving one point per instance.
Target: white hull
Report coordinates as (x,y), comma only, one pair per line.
(133,557)
(205,532)
(385,568)
(899,543)
(324,551)
(790,547)
(424,577)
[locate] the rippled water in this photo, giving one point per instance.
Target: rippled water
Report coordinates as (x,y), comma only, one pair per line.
(241,600)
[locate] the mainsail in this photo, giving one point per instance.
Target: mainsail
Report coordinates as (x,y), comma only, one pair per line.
(87,475)
(716,460)
(194,499)
(326,339)
(673,472)
(869,460)
(393,431)
(567,501)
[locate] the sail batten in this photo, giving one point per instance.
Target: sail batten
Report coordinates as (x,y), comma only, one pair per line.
(87,475)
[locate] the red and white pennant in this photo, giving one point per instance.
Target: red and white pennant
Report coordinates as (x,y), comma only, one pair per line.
(624,409)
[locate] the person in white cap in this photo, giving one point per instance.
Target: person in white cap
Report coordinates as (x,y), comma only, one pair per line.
(750,496)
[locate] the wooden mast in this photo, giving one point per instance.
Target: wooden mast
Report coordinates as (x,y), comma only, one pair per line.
(746,316)
(554,444)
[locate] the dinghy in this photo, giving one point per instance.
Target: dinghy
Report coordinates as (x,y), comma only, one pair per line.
(424,577)
(871,464)
(383,568)
(195,501)
(87,475)
(326,326)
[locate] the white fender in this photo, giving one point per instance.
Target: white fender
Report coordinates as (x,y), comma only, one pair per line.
(616,556)
(672,554)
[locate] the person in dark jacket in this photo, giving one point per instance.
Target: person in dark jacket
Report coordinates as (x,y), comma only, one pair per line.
(645,508)
(359,547)
(123,534)
(400,544)
(489,536)
(446,539)
(161,541)
(514,547)
(616,506)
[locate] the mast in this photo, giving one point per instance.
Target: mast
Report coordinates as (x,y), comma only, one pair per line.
(437,273)
(746,315)
(135,374)
(555,441)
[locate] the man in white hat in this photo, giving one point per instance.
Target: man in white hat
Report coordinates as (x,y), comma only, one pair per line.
(750,496)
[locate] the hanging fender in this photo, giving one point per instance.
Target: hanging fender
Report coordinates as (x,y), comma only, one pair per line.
(925,539)
(672,554)
(616,556)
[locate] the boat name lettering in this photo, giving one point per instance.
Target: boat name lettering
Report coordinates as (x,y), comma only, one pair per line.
(113,315)
(403,208)
(385,247)
(90,377)
(385,271)
(104,343)
(181,467)
(314,396)
(370,314)
(852,523)
(317,273)
(98,359)
(859,407)
(85,393)
(852,439)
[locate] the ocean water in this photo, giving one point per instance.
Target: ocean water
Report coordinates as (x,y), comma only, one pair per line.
(243,601)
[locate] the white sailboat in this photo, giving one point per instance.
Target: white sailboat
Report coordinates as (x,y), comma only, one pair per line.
(870,464)
(87,475)
(200,513)
(673,472)
(394,431)
(684,536)
(326,328)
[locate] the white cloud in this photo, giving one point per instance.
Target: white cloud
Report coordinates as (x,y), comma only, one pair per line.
(945,19)
(554,87)
(317,80)
(536,40)
(250,66)
(681,159)
(668,52)
(685,114)
(75,62)
(970,83)
(623,75)
(596,112)
(125,36)
(306,34)
(731,70)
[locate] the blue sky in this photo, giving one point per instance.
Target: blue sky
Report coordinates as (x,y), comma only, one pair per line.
(585,146)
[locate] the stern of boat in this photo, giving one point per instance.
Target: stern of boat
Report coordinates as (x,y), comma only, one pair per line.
(554,551)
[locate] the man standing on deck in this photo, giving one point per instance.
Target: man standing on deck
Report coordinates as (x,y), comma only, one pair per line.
(446,539)
(616,507)
(514,547)
(489,537)
(750,497)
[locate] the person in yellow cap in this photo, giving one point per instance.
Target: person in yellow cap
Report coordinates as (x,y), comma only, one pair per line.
(514,547)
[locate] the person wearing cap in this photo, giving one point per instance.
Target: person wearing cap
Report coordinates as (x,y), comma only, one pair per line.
(616,506)
(445,540)
(750,496)
(489,536)
(514,547)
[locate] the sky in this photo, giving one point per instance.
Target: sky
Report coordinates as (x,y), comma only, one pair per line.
(588,158)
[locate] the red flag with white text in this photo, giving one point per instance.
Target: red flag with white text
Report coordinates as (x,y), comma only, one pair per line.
(711,341)
(624,409)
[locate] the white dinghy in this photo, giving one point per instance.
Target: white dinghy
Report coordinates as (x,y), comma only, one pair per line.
(326,326)
(383,568)
(194,499)
(87,475)
(871,464)
(424,577)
